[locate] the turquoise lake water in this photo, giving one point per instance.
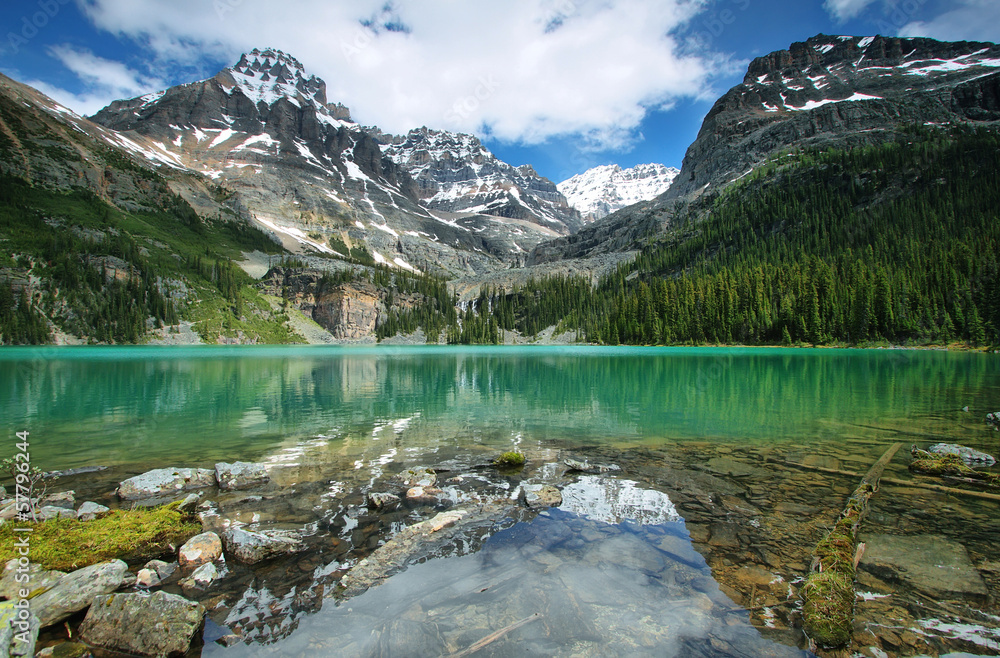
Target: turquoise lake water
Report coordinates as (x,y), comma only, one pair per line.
(147,406)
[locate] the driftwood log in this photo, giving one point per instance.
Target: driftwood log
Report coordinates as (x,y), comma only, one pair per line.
(828,594)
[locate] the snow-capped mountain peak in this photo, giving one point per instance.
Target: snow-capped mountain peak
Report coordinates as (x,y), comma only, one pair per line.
(600,191)
(265,76)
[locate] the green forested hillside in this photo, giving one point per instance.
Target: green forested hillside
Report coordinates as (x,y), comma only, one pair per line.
(110,276)
(896,242)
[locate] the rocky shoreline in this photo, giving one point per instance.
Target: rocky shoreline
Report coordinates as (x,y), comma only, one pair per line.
(751,523)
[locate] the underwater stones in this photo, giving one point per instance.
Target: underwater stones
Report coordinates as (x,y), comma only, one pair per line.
(417,477)
(165,481)
(202,577)
(993,419)
(200,549)
(423,494)
(240,475)
(586,466)
(724,535)
(158,624)
(90,511)
(381,500)
(540,495)
(252,547)
(970,456)
(76,590)
(932,564)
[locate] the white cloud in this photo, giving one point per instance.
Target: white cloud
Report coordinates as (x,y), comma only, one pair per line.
(843,10)
(971,20)
(519,70)
(103,80)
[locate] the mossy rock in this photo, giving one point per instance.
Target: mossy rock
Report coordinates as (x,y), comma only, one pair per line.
(828,608)
(512,459)
(130,535)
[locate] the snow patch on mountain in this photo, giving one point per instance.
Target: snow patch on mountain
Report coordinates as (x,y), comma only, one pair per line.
(600,191)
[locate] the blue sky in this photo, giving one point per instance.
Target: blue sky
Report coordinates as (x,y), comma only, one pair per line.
(563,85)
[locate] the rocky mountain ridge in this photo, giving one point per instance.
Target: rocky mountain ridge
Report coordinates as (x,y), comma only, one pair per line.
(600,191)
(837,91)
(454,172)
(307,173)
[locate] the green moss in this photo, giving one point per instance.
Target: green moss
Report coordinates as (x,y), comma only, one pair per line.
(828,608)
(130,535)
(928,463)
(512,459)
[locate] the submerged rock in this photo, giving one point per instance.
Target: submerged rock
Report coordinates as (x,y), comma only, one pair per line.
(540,495)
(65,650)
(200,549)
(252,547)
(586,466)
(380,500)
(90,511)
(392,556)
(202,577)
(993,419)
(240,475)
(165,481)
(417,477)
(17,636)
(76,590)
(159,624)
(936,566)
(970,456)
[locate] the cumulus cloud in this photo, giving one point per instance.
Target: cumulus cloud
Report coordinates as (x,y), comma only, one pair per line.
(519,70)
(103,80)
(843,10)
(971,20)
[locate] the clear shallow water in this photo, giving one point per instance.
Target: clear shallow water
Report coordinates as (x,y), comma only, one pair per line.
(614,571)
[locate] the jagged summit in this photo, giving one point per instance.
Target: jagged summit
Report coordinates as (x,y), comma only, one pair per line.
(270,74)
(600,191)
(454,172)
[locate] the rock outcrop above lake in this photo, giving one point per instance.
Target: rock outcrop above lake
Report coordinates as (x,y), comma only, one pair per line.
(158,624)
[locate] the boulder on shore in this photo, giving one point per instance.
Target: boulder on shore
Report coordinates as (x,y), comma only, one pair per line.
(90,510)
(159,624)
(200,549)
(252,547)
(165,481)
(39,580)
(74,592)
(240,475)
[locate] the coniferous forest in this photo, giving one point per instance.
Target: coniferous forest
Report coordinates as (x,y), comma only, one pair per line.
(889,243)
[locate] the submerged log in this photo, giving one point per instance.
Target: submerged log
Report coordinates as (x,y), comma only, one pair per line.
(828,595)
